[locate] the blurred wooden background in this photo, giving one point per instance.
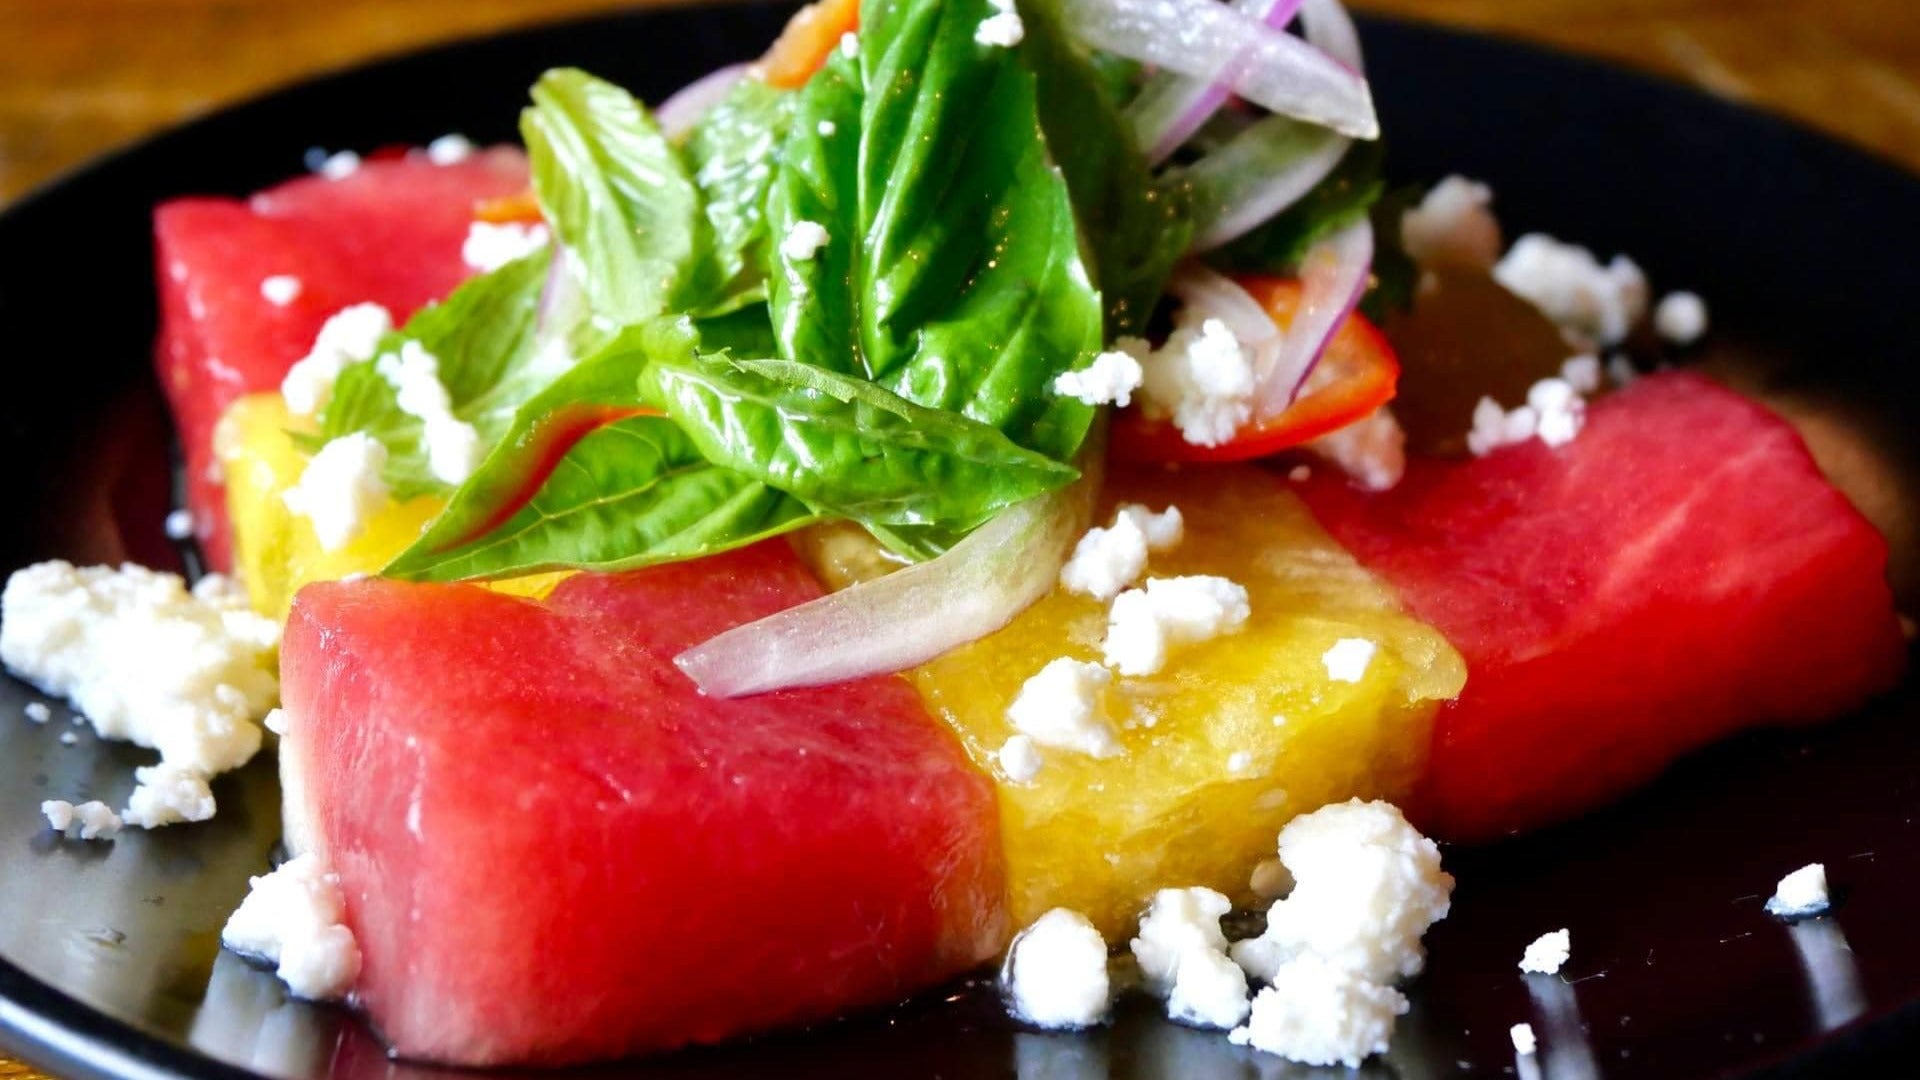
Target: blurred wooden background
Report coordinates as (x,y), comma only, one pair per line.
(78,77)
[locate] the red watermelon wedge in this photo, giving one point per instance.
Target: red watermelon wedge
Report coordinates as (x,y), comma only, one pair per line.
(1678,572)
(390,233)
(554,849)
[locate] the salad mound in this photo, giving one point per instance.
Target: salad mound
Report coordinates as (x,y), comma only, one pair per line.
(991,479)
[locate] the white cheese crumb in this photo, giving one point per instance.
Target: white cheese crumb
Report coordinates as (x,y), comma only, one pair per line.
(1020,759)
(1209,990)
(184,672)
(280,289)
(1524,1042)
(804,240)
(38,712)
(94,820)
(1002,29)
(1318,1013)
(340,165)
(1056,973)
(488,246)
(1680,318)
(341,489)
(168,794)
(1348,659)
(453,445)
(1367,886)
(1582,373)
(1202,379)
(1590,301)
(1062,707)
(1107,560)
(275,721)
(350,335)
(450,149)
(1145,623)
(293,917)
(826,128)
(1177,921)
(1110,380)
(1554,413)
(849,45)
(1453,226)
(1801,893)
(68,738)
(1547,953)
(179,525)
(1372,450)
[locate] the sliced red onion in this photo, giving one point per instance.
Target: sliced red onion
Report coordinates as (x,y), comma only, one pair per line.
(1202,39)
(910,616)
(679,112)
(1333,277)
(1257,174)
(1330,29)
(1172,107)
(1205,294)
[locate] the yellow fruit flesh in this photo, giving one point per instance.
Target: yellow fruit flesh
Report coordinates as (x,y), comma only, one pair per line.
(275,550)
(1100,835)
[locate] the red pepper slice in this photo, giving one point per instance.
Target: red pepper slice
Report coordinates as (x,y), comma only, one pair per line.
(1357,375)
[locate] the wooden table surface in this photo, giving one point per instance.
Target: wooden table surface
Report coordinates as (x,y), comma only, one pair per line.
(81,76)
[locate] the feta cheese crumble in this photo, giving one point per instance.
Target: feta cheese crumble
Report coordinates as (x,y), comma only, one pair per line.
(1020,759)
(341,489)
(1582,373)
(804,240)
(292,917)
(1183,958)
(1003,28)
(849,45)
(1348,659)
(339,166)
(1547,953)
(453,445)
(179,525)
(168,794)
(1453,226)
(91,820)
(1110,380)
(488,246)
(1144,624)
(1056,973)
(1524,1042)
(143,658)
(1680,318)
(1209,991)
(1568,284)
(280,289)
(1801,893)
(1202,380)
(1554,413)
(826,128)
(38,712)
(1372,450)
(348,336)
(450,149)
(1318,1013)
(1062,707)
(1107,560)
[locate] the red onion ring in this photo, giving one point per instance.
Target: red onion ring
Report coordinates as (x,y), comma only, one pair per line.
(684,108)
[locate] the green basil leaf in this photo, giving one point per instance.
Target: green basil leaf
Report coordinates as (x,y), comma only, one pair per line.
(951,275)
(843,444)
(616,192)
(1137,226)
(731,153)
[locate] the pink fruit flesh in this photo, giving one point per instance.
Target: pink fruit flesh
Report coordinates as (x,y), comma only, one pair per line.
(554,849)
(390,233)
(1678,572)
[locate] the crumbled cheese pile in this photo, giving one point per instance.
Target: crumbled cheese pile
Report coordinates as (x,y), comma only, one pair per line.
(1372,450)
(1547,953)
(341,488)
(1110,379)
(1062,707)
(1453,226)
(1202,380)
(1801,893)
(348,336)
(1348,659)
(185,672)
(1056,972)
(1524,1042)
(453,446)
(1555,411)
(1107,560)
(93,820)
(804,240)
(292,918)
(1144,624)
(1003,28)
(488,246)
(1594,304)
(1681,318)
(1183,959)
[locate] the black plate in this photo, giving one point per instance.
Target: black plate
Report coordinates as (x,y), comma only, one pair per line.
(109,965)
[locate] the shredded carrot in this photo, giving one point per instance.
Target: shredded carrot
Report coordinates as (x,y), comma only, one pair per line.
(519,207)
(810,37)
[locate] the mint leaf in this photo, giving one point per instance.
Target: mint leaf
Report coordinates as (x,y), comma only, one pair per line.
(951,276)
(843,444)
(731,152)
(617,194)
